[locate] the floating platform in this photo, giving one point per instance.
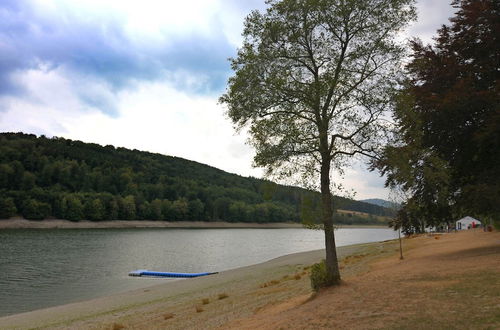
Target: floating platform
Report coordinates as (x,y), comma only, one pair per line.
(144,272)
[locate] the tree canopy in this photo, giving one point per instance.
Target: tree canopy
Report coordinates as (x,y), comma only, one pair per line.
(448,121)
(66,179)
(312,81)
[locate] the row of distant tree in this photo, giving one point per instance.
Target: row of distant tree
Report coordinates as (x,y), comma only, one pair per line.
(103,206)
(41,177)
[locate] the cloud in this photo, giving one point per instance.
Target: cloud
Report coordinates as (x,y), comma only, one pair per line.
(105,48)
(140,74)
(364,183)
(432,15)
(153,117)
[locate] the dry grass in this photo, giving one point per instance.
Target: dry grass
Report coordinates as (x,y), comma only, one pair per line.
(205,301)
(117,326)
(297,276)
(353,259)
(271,283)
(429,289)
(199,309)
(222,296)
(168,316)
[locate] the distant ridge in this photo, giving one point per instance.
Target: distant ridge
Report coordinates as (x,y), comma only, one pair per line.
(381,202)
(60,178)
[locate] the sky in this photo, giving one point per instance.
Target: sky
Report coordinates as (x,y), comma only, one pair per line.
(143,75)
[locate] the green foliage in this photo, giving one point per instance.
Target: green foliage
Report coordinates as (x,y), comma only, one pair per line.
(311,211)
(28,181)
(127,208)
(35,210)
(155,210)
(195,209)
(86,181)
(311,84)
(320,277)
(72,207)
(6,174)
(7,208)
(94,209)
(446,154)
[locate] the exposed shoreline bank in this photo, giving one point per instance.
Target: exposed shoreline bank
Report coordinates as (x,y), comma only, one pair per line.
(276,294)
(170,293)
(19,223)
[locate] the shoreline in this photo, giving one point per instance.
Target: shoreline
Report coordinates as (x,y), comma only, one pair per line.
(19,223)
(179,292)
(58,316)
(448,270)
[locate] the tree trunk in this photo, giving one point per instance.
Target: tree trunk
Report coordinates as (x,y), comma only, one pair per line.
(332,266)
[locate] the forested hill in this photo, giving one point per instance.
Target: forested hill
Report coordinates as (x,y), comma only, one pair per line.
(61,178)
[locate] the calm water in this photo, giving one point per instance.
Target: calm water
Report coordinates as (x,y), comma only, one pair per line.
(41,268)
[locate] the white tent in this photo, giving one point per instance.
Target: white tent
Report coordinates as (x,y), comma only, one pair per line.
(466,223)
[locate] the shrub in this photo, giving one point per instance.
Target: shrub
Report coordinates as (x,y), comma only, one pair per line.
(319,276)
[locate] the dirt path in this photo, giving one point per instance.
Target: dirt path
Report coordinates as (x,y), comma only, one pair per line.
(449,281)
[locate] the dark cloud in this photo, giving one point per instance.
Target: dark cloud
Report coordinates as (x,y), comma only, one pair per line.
(98,48)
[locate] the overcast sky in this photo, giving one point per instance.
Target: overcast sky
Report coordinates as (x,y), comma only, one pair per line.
(140,74)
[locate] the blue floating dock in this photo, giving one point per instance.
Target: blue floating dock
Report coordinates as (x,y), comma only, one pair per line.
(144,272)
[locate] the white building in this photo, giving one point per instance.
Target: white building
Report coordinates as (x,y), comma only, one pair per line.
(466,223)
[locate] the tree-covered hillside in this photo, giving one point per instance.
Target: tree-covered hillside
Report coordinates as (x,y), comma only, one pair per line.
(61,178)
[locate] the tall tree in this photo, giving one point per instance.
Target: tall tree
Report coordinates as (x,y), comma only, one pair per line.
(311,83)
(449,125)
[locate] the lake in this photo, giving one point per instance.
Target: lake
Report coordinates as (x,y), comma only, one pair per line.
(48,267)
